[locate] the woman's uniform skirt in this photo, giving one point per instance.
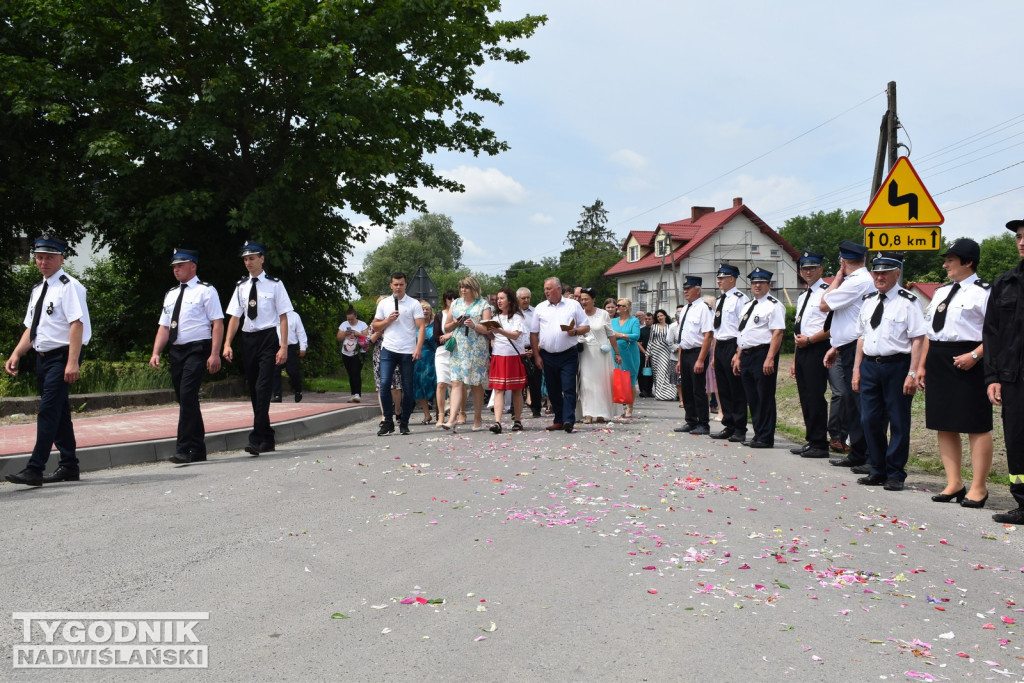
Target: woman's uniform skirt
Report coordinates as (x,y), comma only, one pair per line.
(955,400)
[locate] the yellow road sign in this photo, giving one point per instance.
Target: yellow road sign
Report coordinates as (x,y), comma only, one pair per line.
(902,200)
(903,239)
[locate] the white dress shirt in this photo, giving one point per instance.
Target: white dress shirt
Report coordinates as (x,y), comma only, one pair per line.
(271,303)
(200,306)
(401,335)
(732,309)
(902,320)
(296,331)
(64,304)
(547,319)
(845,302)
(763,316)
(965,312)
(813,319)
(696,319)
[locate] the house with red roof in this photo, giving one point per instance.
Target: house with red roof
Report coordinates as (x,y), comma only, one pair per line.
(925,291)
(656,262)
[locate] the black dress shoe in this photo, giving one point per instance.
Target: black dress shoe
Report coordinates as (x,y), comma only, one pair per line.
(893,485)
(800,449)
(954,497)
(276,398)
(846,462)
(871,480)
(724,434)
(386,427)
(684,428)
(814,453)
(754,443)
(27,477)
(568,427)
(738,437)
(298,397)
(700,430)
(180,458)
(403,428)
(64,474)
(253,449)
(861,469)
(1011,517)
(263,448)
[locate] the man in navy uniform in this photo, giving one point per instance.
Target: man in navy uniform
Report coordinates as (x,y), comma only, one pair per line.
(728,309)
(756,361)
(811,338)
(57,326)
(259,305)
(843,299)
(696,323)
(891,330)
(192,326)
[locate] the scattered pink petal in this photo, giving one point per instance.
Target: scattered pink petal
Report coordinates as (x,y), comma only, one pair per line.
(652,591)
(744,566)
(651,568)
(1008,620)
(408,601)
(989,626)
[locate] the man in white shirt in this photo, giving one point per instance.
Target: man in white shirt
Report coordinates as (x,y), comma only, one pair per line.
(57,326)
(731,397)
(191,327)
(297,344)
(693,339)
(811,340)
(891,330)
(400,317)
(559,358)
(533,373)
(843,299)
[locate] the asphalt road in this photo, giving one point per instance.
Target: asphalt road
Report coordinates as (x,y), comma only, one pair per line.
(618,553)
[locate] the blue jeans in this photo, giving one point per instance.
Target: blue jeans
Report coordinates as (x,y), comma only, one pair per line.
(389,360)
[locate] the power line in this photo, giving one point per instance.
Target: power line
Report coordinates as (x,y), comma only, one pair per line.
(978,201)
(978,178)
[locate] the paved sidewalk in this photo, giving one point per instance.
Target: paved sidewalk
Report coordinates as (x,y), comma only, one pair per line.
(149,435)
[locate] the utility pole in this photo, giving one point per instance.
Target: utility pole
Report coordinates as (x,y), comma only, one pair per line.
(886,139)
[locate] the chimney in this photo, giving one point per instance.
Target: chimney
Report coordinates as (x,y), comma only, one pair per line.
(696,212)
(737,202)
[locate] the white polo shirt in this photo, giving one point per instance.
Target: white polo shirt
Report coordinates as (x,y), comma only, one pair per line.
(401,335)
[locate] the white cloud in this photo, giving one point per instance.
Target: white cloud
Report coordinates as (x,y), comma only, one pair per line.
(630,159)
(487,190)
(542,219)
(469,248)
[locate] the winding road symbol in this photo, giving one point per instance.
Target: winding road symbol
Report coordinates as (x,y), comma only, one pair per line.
(895,199)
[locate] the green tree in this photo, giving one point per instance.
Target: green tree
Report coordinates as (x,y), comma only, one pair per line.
(821,233)
(998,255)
(204,124)
(428,241)
(593,249)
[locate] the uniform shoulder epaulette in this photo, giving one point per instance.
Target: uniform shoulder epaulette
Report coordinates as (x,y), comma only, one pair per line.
(738,293)
(984,285)
(772,299)
(869,295)
(38,285)
(244,279)
(710,307)
(273,279)
(205,284)
(65,279)
(907,295)
(823,285)
(175,288)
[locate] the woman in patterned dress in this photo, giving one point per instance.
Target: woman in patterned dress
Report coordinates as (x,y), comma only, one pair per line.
(661,358)
(469,361)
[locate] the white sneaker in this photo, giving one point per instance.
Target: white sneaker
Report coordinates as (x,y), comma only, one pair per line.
(356,398)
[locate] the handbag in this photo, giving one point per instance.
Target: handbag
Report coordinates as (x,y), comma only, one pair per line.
(622,387)
(646,371)
(450,344)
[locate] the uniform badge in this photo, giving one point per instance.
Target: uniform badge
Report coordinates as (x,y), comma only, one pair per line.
(49,309)
(757,319)
(718,314)
(797,319)
(174,324)
(941,307)
(252,303)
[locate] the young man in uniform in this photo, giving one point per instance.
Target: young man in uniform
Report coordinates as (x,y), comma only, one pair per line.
(728,309)
(891,331)
(192,324)
(696,323)
(808,367)
(57,326)
(757,354)
(259,305)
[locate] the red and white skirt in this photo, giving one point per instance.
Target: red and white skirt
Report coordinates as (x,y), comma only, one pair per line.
(506,373)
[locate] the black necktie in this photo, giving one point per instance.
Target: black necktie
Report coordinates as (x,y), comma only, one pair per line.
(876,317)
(940,313)
(718,311)
(252,300)
(800,315)
(172,334)
(828,321)
(38,312)
(746,314)
(681,321)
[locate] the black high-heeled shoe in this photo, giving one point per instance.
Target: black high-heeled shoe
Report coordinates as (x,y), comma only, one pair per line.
(957,497)
(968,503)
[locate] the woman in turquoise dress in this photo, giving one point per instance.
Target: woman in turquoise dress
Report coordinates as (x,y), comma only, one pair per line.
(424,379)
(470,360)
(626,330)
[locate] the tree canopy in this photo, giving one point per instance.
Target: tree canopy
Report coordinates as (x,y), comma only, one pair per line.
(200,124)
(429,241)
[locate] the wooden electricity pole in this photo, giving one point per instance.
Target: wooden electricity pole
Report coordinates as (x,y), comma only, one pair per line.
(886,139)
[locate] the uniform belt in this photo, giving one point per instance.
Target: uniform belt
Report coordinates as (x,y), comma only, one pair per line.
(847,345)
(60,350)
(269,329)
(894,358)
(754,349)
(188,344)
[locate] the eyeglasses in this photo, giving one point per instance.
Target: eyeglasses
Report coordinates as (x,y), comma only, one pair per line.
(620,305)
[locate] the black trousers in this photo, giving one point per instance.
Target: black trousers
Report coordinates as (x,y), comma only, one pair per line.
(258,351)
(694,389)
(534,378)
(294,372)
(811,381)
(53,424)
(188,367)
(851,407)
(560,370)
(645,383)
(885,414)
(1013,432)
(354,368)
(731,396)
(759,389)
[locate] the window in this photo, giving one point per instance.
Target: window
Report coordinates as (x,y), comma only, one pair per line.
(775,253)
(755,248)
(634,253)
(663,246)
(662,291)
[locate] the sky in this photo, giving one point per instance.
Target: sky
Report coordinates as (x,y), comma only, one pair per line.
(656,106)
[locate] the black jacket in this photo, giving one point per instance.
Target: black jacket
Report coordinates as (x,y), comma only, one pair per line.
(1003,334)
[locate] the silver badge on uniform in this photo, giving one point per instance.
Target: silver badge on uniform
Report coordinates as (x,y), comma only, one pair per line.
(49,309)
(941,307)
(252,303)
(757,318)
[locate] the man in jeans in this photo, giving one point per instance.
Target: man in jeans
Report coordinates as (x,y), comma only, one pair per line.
(403,328)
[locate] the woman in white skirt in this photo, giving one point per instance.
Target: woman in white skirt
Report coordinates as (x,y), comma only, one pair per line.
(442,357)
(598,349)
